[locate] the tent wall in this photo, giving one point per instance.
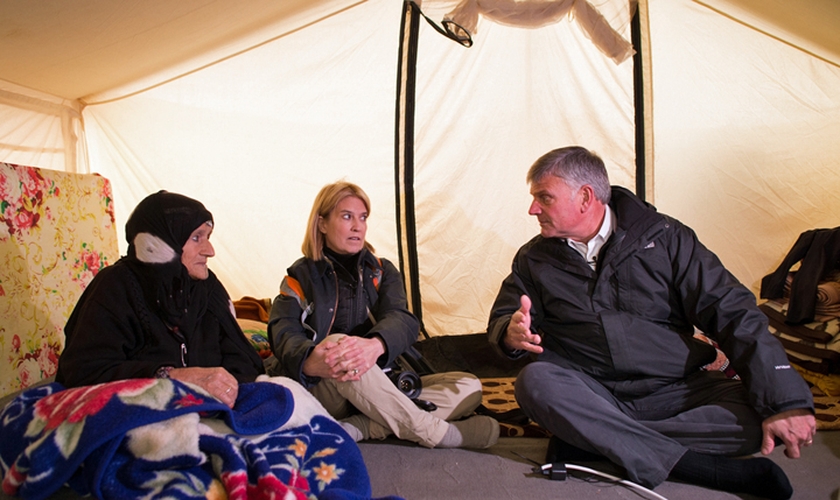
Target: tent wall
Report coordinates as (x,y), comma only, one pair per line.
(743,118)
(746,120)
(484,114)
(256,136)
(40,129)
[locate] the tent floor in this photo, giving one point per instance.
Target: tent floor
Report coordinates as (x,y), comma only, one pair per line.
(501,472)
(416,473)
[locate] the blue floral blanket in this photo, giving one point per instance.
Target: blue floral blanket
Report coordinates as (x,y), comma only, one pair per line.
(153,438)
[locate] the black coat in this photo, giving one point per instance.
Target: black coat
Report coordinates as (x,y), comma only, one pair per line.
(818,250)
(303,313)
(113,334)
(630,324)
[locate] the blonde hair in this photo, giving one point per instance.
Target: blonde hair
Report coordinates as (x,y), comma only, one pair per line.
(328,198)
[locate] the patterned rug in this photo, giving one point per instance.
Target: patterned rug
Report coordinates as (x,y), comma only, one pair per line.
(498,397)
(828,410)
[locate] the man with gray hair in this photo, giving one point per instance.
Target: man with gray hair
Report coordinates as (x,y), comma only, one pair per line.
(607,298)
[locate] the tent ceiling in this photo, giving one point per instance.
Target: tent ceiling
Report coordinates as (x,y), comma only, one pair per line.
(79,48)
(809,26)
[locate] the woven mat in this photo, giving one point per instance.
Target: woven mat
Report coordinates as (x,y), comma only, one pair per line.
(827,409)
(498,397)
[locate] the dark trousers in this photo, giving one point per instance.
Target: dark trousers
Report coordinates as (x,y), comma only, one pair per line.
(706,412)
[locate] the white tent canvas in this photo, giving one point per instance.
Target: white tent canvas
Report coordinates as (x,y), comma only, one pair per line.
(251,107)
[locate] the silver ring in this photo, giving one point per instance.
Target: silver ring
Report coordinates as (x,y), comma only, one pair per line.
(355,371)
(227,391)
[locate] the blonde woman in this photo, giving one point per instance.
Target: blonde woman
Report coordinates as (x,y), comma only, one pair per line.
(341,318)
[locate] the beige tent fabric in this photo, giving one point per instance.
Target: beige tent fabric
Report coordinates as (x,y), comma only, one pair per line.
(746,130)
(40,129)
(485,114)
(256,136)
(252,107)
(539,13)
(808,26)
(77,50)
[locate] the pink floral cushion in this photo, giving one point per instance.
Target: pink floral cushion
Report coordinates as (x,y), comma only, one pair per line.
(56,232)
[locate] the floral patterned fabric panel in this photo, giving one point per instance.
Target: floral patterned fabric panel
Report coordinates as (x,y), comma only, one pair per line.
(56,231)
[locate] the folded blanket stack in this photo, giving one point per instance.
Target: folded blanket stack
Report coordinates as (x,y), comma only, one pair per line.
(155,438)
(813,345)
(827,305)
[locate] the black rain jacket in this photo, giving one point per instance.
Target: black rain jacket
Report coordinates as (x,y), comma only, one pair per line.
(630,324)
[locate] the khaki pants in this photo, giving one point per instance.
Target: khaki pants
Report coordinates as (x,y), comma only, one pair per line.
(456,395)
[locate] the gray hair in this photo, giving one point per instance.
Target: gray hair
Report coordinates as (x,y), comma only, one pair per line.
(577,166)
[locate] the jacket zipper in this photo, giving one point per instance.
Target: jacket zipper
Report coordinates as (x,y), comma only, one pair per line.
(177,332)
(335,306)
(361,289)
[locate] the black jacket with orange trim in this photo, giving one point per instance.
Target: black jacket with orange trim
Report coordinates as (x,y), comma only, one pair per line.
(303,312)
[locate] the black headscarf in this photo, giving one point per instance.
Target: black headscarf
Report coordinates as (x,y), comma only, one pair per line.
(156,231)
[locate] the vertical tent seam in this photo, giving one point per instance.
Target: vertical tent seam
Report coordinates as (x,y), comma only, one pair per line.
(639,105)
(404,159)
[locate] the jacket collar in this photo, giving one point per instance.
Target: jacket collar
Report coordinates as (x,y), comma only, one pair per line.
(325,265)
(638,223)
(630,210)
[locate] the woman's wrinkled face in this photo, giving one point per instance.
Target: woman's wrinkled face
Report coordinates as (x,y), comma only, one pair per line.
(197,250)
(345,227)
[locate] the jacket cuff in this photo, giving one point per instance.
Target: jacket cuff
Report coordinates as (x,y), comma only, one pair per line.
(307,381)
(497,340)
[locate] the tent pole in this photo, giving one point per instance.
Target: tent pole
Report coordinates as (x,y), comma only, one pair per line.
(643,101)
(404,158)
(639,106)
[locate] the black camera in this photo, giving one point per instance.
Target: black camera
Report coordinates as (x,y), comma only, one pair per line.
(407,382)
(404,376)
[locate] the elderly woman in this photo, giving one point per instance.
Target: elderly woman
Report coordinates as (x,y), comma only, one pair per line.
(159,311)
(341,318)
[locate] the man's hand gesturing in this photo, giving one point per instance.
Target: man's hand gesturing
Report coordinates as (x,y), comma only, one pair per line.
(518,335)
